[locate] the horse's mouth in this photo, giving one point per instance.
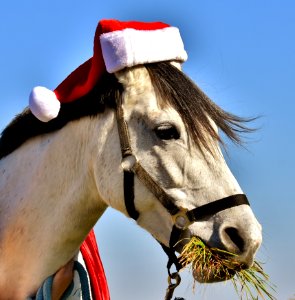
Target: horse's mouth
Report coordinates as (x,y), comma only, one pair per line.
(208,264)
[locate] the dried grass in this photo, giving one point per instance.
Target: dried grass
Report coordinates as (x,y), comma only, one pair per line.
(213,263)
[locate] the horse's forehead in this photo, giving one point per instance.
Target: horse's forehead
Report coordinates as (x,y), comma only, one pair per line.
(140,96)
(135,80)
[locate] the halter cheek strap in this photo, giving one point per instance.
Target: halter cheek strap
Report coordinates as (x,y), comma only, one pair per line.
(181,217)
(131,166)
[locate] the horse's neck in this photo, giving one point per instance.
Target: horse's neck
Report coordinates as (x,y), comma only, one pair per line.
(48,201)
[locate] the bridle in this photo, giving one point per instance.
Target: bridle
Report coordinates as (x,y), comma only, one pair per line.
(181,217)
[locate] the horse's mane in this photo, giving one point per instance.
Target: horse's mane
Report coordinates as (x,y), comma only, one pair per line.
(174,88)
(25,125)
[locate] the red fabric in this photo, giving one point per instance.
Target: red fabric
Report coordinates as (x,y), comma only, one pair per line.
(99,286)
(82,80)
(114,25)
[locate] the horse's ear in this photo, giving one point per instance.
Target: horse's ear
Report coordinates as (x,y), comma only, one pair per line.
(176,64)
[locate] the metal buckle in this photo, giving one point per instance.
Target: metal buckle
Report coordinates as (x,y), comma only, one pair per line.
(128,162)
(181,219)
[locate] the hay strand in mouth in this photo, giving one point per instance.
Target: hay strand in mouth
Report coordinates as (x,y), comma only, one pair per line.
(212,264)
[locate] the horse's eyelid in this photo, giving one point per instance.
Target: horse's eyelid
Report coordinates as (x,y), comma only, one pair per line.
(162,129)
(163,126)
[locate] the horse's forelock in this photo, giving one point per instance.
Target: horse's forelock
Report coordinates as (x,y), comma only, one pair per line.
(195,108)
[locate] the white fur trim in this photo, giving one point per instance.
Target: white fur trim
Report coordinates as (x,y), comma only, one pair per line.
(130,47)
(43,104)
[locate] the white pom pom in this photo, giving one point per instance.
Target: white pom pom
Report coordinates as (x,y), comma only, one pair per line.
(43,104)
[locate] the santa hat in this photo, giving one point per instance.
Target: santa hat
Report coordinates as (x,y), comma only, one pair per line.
(117,45)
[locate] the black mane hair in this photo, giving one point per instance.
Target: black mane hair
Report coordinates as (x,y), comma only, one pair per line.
(173,87)
(25,125)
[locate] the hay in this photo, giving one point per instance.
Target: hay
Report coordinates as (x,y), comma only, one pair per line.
(214,264)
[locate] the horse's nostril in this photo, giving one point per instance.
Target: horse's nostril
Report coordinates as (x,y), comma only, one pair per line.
(233,236)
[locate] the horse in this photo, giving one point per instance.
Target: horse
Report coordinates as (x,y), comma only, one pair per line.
(147,134)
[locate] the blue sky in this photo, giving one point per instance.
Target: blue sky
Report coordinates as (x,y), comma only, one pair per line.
(241,53)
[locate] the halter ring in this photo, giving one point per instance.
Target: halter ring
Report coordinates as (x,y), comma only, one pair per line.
(181,219)
(128,162)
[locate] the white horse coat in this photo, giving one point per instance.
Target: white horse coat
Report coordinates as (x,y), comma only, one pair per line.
(55,186)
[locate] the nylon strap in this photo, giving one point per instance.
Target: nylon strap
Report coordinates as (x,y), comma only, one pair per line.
(126,151)
(170,251)
(141,173)
(174,278)
(214,207)
(123,131)
(157,191)
(129,195)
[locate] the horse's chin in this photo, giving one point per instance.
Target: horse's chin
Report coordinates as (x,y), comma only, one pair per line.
(205,275)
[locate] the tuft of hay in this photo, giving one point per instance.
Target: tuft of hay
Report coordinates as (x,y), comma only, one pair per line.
(215,264)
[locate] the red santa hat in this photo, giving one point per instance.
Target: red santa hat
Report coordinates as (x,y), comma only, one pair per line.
(117,45)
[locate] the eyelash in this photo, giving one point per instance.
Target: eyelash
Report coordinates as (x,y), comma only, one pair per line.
(167,132)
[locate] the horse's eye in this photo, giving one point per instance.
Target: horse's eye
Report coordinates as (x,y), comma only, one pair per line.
(167,132)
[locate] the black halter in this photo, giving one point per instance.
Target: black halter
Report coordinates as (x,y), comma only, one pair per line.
(181,217)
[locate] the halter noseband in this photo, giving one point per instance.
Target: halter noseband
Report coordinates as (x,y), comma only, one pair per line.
(181,217)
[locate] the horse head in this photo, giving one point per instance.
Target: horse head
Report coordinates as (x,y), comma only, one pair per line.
(188,167)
